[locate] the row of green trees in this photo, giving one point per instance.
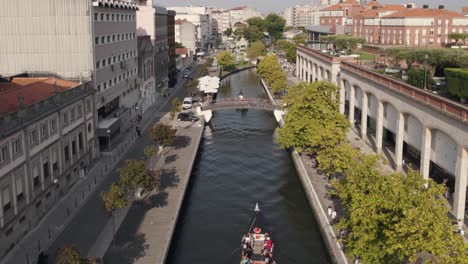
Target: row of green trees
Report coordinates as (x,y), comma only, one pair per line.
(226,60)
(134,176)
(256,50)
(270,69)
(390,218)
(273,24)
(457,82)
(344,42)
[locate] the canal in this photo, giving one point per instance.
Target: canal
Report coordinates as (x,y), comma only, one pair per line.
(238,164)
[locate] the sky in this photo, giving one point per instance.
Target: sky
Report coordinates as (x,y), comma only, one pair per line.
(269,6)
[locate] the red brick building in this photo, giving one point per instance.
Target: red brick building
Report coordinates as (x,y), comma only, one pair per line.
(337,15)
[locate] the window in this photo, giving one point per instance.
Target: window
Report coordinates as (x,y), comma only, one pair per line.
(34,138)
(96,16)
(102,16)
(54,161)
(108,17)
(72,115)
(108,39)
(113,38)
(36,180)
(45,170)
(431,32)
(121,17)
(6,198)
(103,40)
(4,154)
(66,152)
(65,118)
(74,147)
(19,188)
(96,40)
(88,106)
(16,145)
(79,111)
(112,17)
(104,85)
(80,141)
(44,130)
(109,61)
(118,37)
(114,59)
(98,64)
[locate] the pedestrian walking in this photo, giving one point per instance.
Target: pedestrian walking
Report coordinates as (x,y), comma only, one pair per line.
(333,216)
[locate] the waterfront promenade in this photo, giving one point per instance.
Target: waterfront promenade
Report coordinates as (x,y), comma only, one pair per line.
(145,234)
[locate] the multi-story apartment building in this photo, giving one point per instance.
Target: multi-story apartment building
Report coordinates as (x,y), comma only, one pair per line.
(146,73)
(47,128)
(82,39)
(201,18)
(408,26)
(242,13)
(152,20)
(172,69)
(221,20)
(186,34)
(336,16)
(302,15)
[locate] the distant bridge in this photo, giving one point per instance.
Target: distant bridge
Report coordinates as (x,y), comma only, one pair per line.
(207,107)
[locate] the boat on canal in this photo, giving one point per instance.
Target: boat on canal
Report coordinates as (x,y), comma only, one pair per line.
(257,244)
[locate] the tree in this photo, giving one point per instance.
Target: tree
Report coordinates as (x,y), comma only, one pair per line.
(257,22)
(114,198)
(239,33)
(300,39)
(176,107)
(225,60)
(288,48)
(150,151)
(192,86)
(458,37)
(278,84)
(394,218)
(256,50)
(275,25)
(313,121)
(201,71)
(252,33)
(163,134)
(457,82)
(416,77)
(337,159)
(179,45)
(135,175)
(228,32)
(70,255)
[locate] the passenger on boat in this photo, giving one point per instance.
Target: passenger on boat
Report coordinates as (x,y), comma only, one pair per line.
(268,244)
(246,260)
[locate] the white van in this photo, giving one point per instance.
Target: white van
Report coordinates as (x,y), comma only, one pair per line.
(187,103)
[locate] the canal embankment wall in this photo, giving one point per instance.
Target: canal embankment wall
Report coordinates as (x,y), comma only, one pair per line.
(331,241)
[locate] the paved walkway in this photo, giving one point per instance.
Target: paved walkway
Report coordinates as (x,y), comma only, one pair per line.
(146,232)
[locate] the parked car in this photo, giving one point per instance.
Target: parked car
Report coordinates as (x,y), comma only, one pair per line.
(187,72)
(196,100)
(187,117)
(187,103)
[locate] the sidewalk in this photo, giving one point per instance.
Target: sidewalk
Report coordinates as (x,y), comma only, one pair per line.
(53,230)
(146,232)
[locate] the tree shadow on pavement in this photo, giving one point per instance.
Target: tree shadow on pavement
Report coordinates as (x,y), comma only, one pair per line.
(171,158)
(127,252)
(182,142)
(168,179)
(155,200)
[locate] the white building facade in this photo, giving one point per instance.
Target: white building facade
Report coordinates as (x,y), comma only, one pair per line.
(201,18)
(186,34)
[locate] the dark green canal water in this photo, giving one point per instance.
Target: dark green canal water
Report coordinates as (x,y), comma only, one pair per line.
(239,164)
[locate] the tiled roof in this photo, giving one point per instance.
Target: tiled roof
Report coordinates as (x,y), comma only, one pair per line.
(31,89)
(424,12)
(181,51)
(465,9)
(335,7)
(374,3)
(351,2)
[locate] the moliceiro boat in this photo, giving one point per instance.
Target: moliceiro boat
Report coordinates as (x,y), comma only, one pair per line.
(257,244)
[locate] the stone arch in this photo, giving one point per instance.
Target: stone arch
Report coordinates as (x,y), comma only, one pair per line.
(328,75)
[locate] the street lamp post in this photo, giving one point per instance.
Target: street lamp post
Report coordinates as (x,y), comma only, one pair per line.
(425,71)
(109,139)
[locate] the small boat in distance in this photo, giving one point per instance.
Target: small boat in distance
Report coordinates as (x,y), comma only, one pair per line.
(257,244)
